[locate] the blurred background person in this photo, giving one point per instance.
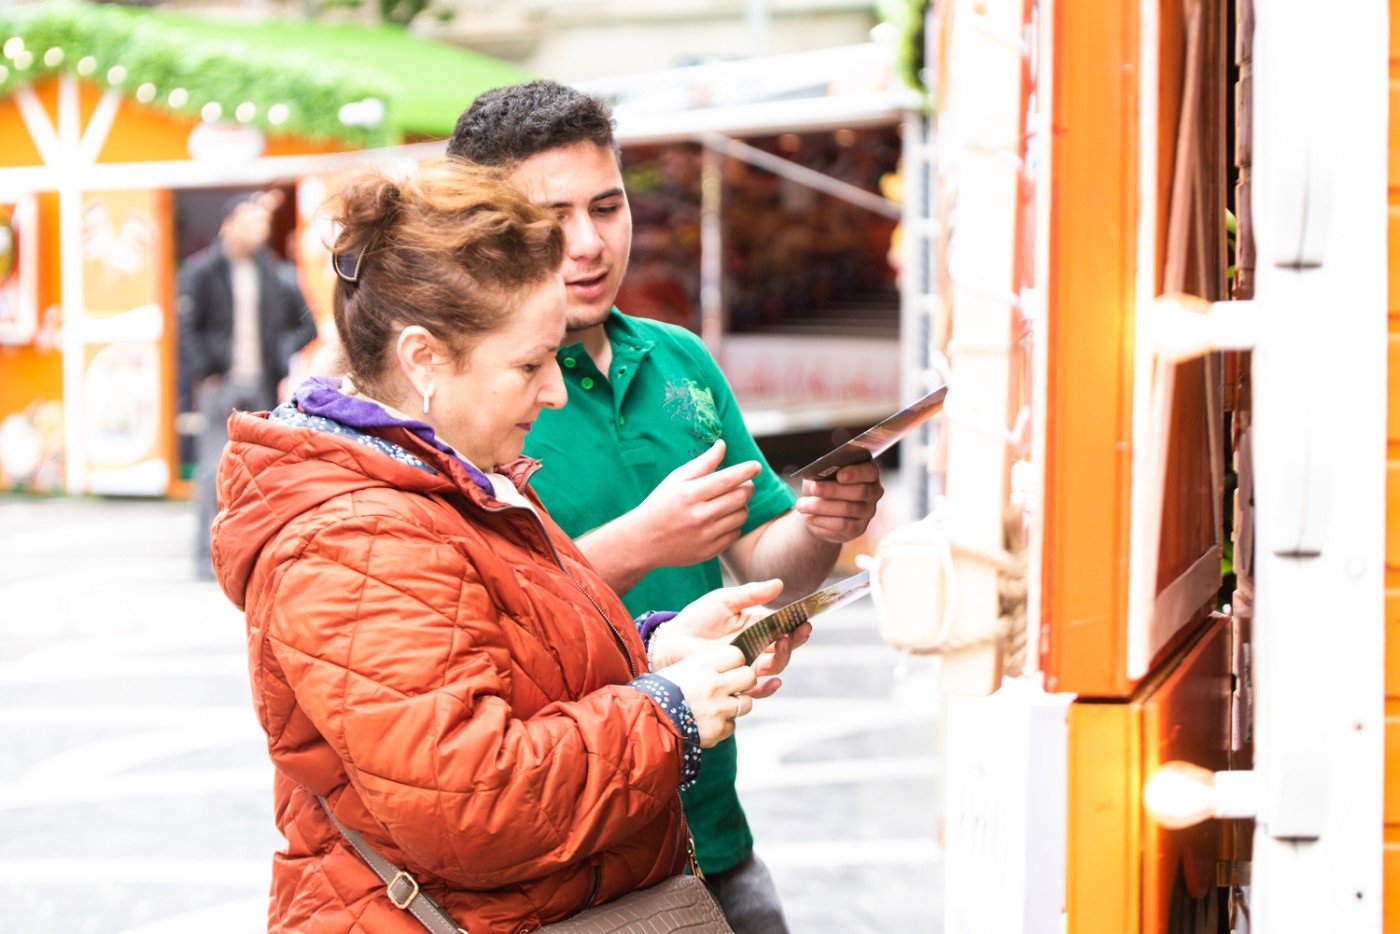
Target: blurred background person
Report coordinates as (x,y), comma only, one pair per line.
(241,320)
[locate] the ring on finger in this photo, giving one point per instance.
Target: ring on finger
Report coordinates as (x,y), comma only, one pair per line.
(738,706)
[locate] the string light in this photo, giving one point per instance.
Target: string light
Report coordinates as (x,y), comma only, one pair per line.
(365,118)
(368,112)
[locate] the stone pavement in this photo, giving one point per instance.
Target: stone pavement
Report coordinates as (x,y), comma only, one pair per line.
(134,785)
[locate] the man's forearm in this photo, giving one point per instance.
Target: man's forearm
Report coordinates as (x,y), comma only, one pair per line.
(785,549)
(613,551)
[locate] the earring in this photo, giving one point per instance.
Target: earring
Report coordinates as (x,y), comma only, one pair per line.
(427,394)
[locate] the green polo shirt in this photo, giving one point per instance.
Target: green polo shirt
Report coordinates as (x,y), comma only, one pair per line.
(663,403)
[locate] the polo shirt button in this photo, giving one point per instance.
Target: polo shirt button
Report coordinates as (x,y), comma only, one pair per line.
(569,362)
(586,382)
(621,420)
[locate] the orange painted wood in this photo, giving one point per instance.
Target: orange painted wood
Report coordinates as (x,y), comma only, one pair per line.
(1393,257)
(1390,912)
(1392,653)
(1392,366)
(1103,858)
(1392,760)
(1394,162)
(1092,243)
(1391,861)
(19,148)
(1123,867)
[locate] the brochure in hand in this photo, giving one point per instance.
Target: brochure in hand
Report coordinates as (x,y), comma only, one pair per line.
(876,441)
(763,633)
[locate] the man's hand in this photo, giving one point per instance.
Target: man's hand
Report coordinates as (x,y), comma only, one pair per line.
(691,516)
(839,509)
(697,511)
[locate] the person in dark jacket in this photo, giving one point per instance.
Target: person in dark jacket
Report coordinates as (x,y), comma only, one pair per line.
(241,321)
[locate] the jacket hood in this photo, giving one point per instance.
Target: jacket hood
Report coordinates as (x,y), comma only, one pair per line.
(320,445)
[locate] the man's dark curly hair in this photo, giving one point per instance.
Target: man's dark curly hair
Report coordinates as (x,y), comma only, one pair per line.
(506,126)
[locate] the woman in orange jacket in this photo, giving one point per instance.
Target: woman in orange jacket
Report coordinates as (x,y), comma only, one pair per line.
(431,657)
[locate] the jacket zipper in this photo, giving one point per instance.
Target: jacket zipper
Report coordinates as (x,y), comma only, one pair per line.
(593,889)
(692,862)
(544,533)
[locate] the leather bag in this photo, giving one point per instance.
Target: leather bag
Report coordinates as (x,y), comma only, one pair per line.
(679,904)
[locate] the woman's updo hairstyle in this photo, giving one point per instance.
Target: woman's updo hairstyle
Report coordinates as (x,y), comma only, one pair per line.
(448,248)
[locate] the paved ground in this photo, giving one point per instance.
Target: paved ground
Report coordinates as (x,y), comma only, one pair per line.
(134,787)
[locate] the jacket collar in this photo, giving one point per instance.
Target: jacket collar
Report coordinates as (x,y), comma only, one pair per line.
(320,396)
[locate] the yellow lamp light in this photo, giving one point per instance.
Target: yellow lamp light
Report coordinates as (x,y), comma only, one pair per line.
(1182,794)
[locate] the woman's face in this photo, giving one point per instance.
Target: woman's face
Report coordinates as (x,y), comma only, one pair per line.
(485,406)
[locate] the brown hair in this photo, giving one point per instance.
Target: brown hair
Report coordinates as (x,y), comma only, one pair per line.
(447,248)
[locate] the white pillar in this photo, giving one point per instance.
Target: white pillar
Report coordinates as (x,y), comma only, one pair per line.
(1320,161)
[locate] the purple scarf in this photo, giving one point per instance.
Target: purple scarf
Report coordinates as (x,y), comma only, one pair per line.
(321,395)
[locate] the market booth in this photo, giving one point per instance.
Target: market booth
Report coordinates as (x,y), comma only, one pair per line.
(122,129)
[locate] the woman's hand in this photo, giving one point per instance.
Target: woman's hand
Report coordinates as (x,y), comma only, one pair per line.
(711,621)
(774,659)
(714,683)
(716,618)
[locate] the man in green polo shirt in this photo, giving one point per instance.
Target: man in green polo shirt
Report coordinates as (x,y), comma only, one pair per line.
(649,466)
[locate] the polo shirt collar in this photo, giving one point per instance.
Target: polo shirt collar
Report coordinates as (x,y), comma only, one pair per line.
(622,334)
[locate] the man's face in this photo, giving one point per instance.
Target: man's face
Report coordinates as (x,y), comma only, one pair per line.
(245,231)
(582,184)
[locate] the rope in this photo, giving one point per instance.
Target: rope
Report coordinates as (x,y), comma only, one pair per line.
(1012,588)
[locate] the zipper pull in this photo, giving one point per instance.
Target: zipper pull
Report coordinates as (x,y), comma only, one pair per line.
(690,856)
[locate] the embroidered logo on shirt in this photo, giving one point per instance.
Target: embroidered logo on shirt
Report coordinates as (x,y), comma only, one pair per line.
(686,400)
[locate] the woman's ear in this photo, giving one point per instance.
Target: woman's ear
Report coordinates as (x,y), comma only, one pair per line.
(418,354)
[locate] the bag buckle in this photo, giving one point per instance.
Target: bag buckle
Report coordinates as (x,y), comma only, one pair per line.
(402,904)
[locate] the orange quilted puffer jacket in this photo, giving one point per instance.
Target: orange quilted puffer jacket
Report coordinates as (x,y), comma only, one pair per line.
(452,674)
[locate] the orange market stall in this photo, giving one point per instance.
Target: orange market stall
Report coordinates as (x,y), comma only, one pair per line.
(1161,577)
(107,114)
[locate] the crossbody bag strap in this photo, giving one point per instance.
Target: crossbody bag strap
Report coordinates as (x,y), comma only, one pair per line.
(401,888)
